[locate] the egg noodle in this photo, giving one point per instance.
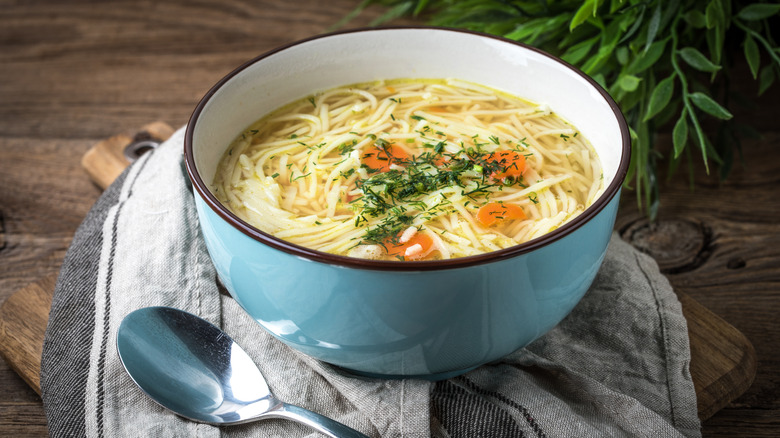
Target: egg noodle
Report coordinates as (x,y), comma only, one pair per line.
(409,170)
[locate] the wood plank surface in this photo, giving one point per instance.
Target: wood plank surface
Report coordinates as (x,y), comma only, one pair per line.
(74,73)
(723,361)
(23,318)
(24,315)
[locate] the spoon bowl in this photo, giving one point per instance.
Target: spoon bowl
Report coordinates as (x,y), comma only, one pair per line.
(188,365)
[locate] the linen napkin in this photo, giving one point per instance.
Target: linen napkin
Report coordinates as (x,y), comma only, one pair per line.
(618,365)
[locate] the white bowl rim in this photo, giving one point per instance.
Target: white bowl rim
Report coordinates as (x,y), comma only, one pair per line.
(392,265)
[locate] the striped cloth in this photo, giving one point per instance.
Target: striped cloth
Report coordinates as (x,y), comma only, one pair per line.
(618,365)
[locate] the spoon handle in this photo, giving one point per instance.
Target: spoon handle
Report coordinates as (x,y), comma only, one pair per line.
(320,423)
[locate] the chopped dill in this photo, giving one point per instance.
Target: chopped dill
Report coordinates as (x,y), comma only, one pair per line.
(299,177)
(346,174)
(345,148)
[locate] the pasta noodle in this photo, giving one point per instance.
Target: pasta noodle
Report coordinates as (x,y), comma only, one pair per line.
(409,170)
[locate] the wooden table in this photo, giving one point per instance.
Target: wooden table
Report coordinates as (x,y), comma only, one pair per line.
(74,73)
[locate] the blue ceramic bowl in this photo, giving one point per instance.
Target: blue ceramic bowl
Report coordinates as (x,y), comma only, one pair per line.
(431,319)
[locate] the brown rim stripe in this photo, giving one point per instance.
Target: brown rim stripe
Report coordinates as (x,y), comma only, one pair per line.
(389,265)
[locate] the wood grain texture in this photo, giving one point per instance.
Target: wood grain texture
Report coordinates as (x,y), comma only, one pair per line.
(74,73)
(713,341)
(723,362)
(23,318)
(106,160)
(24,315)
(720,244)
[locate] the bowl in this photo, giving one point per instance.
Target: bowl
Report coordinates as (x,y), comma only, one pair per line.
(418,319)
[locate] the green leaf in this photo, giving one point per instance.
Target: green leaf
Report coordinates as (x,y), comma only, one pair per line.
(715,38)
(350,16)
(392,13)
(611,35)
(587,9)
(709,106)
(712,154)
(600,79)
(525,30)
(627,45)
(766,78)
(701,139)
(594,63)
(420,6)
(680,134)
(621,54)
(645,60)
(628,82)
(673,10)
(758,11)
(615,5)
(697,60)
(652,27)
(668,113)
(637,24)
(713,14)
(726,142)
(628,101)
(695,19)
(609,40)
(577,52)
(660,97)
(752,55)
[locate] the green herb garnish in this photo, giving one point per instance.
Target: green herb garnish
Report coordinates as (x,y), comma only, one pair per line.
(664,62)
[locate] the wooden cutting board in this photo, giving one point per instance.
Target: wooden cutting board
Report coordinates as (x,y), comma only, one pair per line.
(723,361)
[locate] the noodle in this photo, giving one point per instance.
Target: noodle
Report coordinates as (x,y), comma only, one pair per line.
(410,170)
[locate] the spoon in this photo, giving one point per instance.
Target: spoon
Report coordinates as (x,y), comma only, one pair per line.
(193,368)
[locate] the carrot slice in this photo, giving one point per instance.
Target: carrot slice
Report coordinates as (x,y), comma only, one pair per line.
(399,249)
(440,161)
(511,163)
(380,158)
(494,212)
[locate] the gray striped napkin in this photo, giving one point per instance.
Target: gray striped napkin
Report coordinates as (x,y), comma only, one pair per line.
(617,366)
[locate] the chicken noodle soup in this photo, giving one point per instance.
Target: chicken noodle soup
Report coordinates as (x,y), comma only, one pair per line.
(409,170)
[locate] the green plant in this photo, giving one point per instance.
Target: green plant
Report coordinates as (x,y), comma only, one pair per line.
(664,62)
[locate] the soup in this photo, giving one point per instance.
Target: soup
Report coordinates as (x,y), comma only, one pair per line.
(409,170)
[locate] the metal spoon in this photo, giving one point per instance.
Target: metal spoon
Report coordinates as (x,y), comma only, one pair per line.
(193,368)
